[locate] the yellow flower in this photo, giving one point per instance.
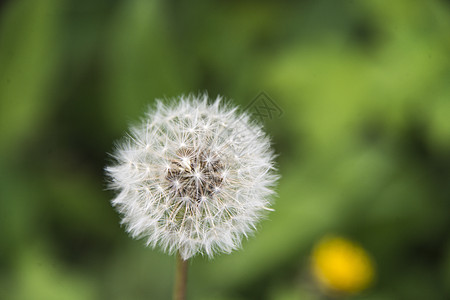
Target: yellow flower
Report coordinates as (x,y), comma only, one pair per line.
(341,265)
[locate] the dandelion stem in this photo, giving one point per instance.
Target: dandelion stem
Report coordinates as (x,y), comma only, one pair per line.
(179,291)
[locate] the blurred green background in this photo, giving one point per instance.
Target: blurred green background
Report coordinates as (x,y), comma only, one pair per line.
(363,141)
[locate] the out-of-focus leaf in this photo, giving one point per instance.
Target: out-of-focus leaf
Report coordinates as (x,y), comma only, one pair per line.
(29,60)
(140,63)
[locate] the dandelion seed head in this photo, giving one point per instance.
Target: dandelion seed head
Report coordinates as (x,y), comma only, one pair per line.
(193,177)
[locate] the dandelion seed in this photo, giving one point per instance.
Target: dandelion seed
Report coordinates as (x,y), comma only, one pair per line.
(194,177)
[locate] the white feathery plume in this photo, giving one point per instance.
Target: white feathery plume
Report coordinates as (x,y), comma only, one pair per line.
(193,177)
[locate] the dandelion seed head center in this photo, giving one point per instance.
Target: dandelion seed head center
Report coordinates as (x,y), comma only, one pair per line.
(195,174)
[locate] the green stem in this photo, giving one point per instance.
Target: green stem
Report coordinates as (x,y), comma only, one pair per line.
(179,291)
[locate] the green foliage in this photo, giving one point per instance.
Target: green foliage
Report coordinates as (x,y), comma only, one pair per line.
(363,142)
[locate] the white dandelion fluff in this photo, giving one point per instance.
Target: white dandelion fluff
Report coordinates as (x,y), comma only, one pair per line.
(193,177)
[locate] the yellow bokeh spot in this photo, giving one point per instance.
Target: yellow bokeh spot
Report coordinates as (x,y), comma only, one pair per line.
(341,265)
